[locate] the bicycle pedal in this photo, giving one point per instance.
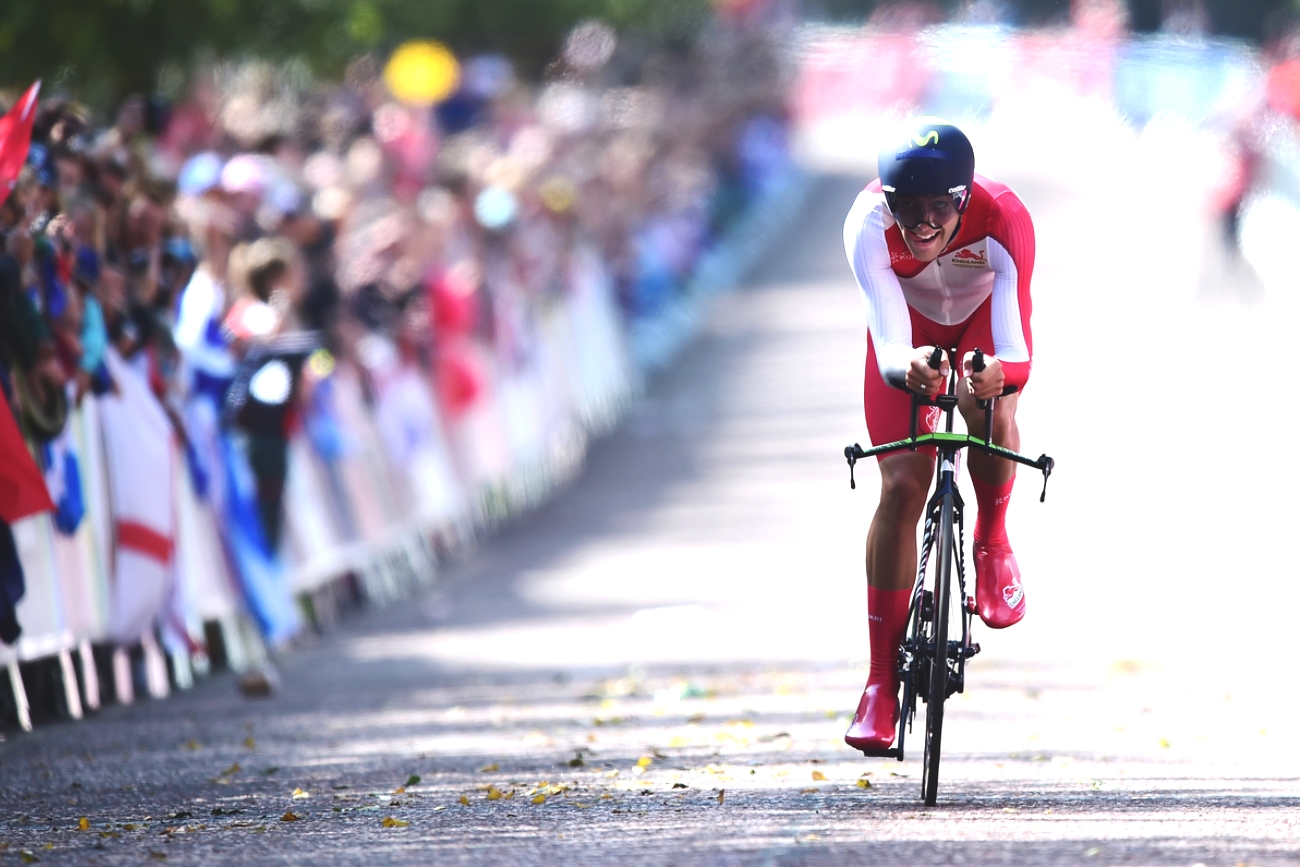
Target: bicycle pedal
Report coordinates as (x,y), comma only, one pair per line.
(972,649)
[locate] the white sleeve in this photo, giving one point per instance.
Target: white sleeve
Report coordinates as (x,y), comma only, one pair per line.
(1008,332)
(888,318)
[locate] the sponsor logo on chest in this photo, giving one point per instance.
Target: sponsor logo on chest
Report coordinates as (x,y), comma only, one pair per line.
(975,257)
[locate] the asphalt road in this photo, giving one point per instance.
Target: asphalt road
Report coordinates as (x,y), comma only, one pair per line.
(658,666)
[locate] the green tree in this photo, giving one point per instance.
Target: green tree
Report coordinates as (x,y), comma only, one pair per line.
(104,49)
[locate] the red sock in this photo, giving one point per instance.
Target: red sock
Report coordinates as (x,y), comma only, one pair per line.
(990,520)
(887,616)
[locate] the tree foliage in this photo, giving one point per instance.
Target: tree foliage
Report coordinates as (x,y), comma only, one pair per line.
(103,49)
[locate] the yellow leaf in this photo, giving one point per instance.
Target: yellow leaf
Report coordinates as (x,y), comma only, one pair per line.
(250,743)
(1164,743)
(510,794)
(129,826)
(722,794)
(192,744)
(808,791)
(299,793)
(233,769)
(680,741)
(83,824)
(644,762)
(487,768)
(494,794)
(818,775)
(864,783)
(390,822)
(540,799)
(27,856)
(48,846)
(400,790)
(290,817)
(464,800)
(109,834)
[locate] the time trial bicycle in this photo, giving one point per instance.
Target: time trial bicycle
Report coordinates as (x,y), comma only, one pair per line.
(932,665)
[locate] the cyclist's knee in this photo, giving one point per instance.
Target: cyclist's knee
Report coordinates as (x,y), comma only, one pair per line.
(904,487)
(1004,416)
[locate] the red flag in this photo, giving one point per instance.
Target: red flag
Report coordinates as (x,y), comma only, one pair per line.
(15,138)
(22,487)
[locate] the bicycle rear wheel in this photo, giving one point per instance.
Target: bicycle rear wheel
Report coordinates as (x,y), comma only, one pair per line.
(937,686)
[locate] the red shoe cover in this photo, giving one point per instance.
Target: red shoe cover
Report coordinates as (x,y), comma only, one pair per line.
(875,724)
(999,594)
(876,721)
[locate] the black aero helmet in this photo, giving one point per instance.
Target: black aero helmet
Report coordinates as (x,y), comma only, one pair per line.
(928,157)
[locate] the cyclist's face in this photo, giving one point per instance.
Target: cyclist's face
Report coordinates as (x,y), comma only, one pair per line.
(927,223)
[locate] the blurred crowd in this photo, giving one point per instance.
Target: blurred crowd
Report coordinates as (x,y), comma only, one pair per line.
(202,271)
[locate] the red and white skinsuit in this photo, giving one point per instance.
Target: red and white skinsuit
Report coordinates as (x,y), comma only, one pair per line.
(974,295)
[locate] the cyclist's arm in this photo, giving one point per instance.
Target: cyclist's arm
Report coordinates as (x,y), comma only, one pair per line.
(888,318)
(1011,256)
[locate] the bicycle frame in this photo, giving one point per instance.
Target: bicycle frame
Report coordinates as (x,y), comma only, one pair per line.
(917,658)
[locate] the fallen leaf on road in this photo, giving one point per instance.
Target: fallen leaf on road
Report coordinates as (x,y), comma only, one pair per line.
(192,744)
(290,817)
(1164,743)
(644,762)
(83,824)
(818,775)
(539,799)
(390,822)
(487,768)
(464,800)
(400,790)
(299,794)
(493,794)
(811,791)
(233,769)
(28,856)
(250,743)
(721,794)
(864,783)
(109,834)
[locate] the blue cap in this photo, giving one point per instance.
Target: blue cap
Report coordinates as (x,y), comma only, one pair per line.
(200,173)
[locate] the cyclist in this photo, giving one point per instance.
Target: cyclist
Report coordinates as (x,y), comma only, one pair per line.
(944,258)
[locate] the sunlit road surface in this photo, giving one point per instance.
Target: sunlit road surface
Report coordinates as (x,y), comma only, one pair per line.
(658,667)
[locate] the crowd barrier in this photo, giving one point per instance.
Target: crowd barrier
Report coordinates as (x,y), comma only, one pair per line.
(372,510)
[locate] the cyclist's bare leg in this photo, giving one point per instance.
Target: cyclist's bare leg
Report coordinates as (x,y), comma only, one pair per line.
(891,541)
(1006,433)
(998,591)
(891,568)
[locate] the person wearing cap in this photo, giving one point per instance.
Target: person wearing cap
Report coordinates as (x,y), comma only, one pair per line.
(944,259)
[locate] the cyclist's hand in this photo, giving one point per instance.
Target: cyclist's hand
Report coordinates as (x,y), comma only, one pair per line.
(923,379)
(987,383)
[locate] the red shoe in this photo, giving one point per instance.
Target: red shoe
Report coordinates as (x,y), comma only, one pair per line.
(999,594)
(875,725)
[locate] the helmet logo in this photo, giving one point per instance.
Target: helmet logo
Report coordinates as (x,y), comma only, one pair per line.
(931,137)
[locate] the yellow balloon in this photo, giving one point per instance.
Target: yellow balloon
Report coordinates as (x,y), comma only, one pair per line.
(422,73)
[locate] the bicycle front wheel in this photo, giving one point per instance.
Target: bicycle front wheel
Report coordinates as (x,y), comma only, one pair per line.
(938,679)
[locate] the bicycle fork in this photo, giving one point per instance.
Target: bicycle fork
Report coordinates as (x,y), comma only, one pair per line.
(913,670)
